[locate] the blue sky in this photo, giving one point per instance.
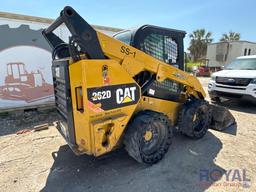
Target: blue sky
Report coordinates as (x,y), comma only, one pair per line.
(218,16)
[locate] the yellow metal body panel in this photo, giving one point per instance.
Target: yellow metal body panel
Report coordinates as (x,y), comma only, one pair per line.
(135,61)
(97,131)
(168,108)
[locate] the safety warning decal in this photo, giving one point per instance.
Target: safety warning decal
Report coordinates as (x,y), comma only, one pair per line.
(114,96)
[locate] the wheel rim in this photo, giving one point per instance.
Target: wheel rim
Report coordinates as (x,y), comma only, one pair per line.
(152,145)
(199,120)
(148,136)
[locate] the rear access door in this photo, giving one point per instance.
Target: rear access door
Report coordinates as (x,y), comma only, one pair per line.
(63,100)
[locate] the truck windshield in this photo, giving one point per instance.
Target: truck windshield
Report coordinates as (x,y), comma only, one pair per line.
(242,64)
(125,37)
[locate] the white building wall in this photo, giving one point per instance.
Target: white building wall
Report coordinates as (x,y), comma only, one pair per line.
(251,46)
(22,42)
(211,55)
(236,49)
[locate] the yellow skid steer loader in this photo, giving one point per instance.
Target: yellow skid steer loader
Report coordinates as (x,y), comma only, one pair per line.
(129,89)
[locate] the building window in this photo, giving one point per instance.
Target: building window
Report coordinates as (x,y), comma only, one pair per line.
(245,51)
(249,51)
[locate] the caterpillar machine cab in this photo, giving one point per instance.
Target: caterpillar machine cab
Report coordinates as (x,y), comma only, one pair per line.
(128,90)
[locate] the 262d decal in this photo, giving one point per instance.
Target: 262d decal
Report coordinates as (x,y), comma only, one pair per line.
(114,96)
(101,95)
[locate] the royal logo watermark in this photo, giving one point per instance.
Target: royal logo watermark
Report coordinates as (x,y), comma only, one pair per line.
(235,178)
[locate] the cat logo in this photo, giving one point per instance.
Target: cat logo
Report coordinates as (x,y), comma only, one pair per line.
(125,95)
(114,96)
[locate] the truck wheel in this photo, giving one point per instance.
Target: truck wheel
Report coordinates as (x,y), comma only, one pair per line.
(148,137)
(195,118)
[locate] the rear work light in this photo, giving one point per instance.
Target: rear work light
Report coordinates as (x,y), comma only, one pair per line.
(79,99)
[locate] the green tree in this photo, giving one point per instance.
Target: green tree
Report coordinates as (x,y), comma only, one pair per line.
(231,36)
(198,43)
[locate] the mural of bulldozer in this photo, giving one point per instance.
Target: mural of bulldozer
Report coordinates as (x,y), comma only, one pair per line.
(20,84)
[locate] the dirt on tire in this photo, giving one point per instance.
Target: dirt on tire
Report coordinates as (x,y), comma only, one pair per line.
(135,144)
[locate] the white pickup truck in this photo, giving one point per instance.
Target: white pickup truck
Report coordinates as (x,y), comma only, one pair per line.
(236,81)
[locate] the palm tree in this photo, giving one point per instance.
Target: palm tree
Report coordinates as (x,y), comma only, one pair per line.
(231,36)
(198,44)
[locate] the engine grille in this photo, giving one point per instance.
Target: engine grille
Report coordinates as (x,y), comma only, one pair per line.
(233,81)
(60,98)
(63,100)
(62,89)
(229,95)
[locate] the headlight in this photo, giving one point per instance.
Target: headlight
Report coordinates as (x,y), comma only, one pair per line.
(253,81)
(213,77)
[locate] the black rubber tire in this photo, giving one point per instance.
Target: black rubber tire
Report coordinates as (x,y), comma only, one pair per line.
(148,152)
(197,128)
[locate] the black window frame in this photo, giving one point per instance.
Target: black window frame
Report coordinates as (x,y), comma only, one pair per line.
(176,35)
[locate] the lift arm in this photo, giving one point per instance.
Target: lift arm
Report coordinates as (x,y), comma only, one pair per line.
(93,44)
